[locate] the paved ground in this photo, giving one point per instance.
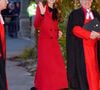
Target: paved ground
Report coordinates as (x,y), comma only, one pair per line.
(18,77)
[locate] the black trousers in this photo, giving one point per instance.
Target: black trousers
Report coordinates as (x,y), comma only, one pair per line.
(2,75)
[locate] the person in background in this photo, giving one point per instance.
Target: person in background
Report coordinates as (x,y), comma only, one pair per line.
(82,60)
(4,14)
(16,14)
(12,16)
(51,72)
(3,80)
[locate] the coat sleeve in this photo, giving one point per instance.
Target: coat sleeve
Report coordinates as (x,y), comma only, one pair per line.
(81,32)
(38,19)
(3,41)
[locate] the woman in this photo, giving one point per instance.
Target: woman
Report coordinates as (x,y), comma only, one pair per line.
(3,81)
(51,72)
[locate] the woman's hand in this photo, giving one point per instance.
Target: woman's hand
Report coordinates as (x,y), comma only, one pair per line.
(60,34)
(42,8)
(94,35)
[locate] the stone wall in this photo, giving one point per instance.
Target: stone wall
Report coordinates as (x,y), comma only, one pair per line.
(25,29)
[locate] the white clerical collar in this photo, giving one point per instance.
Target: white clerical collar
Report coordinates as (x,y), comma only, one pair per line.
(88,10)
(1,19)
(89,14)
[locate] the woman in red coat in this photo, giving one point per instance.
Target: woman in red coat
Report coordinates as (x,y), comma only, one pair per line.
(3,81)
(51,72)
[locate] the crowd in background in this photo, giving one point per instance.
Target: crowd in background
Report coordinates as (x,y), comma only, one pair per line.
(11,18)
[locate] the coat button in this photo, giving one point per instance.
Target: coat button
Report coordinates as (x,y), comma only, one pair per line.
(56,30)
(50,29)
(51,37)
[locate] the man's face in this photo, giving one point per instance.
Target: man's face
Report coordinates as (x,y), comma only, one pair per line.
(86,3)
(3,4)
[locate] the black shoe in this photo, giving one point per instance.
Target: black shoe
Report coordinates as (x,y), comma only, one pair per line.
(33,88)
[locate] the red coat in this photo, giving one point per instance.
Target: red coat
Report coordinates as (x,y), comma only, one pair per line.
(51,72)
(3,83)
(3,41)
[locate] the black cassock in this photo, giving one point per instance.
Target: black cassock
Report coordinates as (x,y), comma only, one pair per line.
(75,52)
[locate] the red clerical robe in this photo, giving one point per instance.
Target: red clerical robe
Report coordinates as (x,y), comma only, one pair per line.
(3,81)
(90,53)
(51,73)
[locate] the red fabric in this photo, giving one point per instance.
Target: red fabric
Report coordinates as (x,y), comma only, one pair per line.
(51,72)
(38,19)
(84,10)
(2,36)
(81,32)
(6,85)
(90,56)
(3,41)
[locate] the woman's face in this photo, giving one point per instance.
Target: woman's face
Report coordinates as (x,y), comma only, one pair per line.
(86,3)
(3,4)
(51,1)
